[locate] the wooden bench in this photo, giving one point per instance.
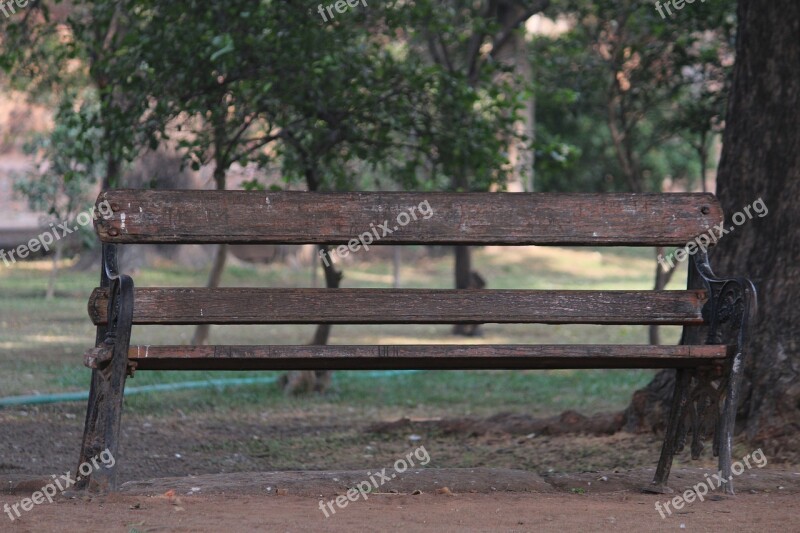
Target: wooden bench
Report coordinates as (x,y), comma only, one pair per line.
(713,312)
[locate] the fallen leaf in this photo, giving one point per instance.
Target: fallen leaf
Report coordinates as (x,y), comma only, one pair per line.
(171,498)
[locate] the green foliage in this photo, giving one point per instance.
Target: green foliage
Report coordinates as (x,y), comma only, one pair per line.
(90,49)
(67,165)
(477,96)
(400,95)
(353,103)
(636,97)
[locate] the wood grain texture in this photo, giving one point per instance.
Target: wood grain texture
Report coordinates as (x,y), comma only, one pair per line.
(253,217)
(404,306)
(422,357)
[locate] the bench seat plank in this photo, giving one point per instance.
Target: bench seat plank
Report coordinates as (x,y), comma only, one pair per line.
(254,217)
(410,306)
(422,357)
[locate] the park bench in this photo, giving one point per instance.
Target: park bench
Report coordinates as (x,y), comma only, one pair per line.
(714,312)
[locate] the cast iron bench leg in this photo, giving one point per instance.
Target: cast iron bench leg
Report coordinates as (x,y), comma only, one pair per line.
(110,368)
(728,419)
(673,435)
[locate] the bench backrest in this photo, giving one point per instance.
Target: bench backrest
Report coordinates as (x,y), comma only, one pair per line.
(246,217)
(243,217)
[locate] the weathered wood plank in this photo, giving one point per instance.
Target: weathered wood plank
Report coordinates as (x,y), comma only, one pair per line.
(404,306)
(252,217)
(422,357)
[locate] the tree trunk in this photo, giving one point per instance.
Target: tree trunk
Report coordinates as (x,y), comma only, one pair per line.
(333,279)
(215,276)
(51,284)
(515,52)
(463,271)
(663,277)
(305,381)
(761,160)
(202,331)
(702,154)
(396,263)
(111,177)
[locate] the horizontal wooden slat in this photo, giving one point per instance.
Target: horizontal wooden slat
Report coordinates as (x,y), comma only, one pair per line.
(421,357)
(404,306)
(253,217)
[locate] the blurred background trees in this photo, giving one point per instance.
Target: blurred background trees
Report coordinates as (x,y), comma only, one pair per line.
(519,95)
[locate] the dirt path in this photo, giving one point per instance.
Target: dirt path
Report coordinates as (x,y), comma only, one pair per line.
(213,458)
(473,500)
(462,512)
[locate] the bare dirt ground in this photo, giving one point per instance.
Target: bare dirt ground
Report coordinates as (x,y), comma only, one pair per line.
(269,471)
(521,502)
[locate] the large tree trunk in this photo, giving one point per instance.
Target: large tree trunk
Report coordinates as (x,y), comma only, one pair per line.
(761,159)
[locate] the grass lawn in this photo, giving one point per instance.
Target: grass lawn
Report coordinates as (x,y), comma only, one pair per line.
(41,343)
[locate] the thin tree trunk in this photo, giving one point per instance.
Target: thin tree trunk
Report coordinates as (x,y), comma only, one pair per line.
(333,278)
(111,177)
(702,152)
(463,273)
(314,275)
(396,261)
(202,331)
(305,381)
(663,278)
(51,284)
(515,52)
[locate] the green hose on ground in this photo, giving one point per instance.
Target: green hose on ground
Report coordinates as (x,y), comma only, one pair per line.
(38,399)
